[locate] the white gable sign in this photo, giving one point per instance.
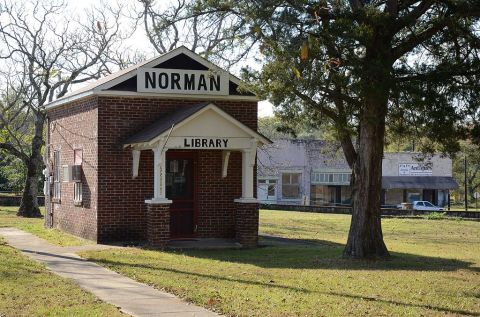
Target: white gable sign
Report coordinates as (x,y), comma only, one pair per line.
(182,81)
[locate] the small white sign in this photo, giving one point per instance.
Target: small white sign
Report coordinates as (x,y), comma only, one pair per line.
(182,81)
(205,143)
(476,195)
(414,169)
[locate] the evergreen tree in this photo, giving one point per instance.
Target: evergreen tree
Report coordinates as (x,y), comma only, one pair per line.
(362,66)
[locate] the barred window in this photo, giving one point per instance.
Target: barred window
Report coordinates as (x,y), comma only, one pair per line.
(56,175)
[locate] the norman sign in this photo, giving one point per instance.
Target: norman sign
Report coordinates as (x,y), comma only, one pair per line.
(181,81)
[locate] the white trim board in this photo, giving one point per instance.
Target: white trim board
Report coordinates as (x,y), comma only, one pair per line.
(133,94)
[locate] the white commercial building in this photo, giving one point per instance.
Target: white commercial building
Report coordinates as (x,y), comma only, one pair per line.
(315,172)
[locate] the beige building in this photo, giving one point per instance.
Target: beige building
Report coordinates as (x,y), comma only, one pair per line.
(411,176)
(303,172)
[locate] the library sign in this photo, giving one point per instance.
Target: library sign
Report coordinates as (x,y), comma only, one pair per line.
(414,169)
(182,81)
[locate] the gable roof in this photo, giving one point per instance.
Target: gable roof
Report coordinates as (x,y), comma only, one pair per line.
(112,84)
(175,119)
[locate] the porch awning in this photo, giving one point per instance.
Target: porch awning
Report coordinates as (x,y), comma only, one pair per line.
(204,122)
(164,124)
(418,182)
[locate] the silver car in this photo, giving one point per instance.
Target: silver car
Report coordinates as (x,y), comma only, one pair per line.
(425,205)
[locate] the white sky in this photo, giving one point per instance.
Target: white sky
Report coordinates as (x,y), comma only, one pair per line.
(140,41)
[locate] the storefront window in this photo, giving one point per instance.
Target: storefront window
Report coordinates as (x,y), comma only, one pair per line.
(322,195)
(413,195)
(291,185)
(331,178)
(346,193)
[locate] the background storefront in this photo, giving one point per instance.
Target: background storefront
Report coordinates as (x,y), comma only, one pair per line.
(314,172)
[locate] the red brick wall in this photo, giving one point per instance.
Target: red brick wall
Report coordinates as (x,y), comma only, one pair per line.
(121,206)
(158,224)
(75,127)
(216,210)
(246,224)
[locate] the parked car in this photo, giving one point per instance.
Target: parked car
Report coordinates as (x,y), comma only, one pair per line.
(425,205)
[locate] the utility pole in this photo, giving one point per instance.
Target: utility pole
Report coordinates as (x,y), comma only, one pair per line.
(465,182)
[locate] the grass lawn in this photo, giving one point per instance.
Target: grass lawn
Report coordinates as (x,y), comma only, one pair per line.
(462,208)
(435,270)
(35,226)
(28,289)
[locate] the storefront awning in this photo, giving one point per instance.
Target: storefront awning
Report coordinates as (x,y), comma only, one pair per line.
(418,182)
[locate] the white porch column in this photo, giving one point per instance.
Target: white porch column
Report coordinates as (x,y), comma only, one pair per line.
(159,176)
(248,163)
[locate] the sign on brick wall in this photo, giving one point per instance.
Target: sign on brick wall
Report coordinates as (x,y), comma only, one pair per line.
(181,81)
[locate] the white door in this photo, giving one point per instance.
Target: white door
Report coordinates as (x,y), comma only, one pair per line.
(267,190)
(262,192)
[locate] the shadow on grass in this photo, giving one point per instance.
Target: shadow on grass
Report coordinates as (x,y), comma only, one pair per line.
(278,252)
(297,257)
(317,254)
(282,257)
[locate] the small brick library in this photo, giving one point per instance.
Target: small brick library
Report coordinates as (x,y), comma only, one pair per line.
(160,151)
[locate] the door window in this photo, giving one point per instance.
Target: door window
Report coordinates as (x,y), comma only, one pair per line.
(177,174)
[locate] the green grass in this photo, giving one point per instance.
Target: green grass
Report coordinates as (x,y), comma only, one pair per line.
(28,289)
(35,226)
(435,270)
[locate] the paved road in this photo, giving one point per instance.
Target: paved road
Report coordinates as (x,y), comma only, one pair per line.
(131,297)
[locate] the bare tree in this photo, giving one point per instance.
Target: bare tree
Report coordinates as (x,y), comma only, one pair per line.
(46,49)
(212,35)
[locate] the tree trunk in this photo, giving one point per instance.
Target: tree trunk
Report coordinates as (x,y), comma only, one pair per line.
(365,238)
(29,205)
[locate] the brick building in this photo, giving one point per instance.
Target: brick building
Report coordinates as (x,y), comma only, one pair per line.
(162,150)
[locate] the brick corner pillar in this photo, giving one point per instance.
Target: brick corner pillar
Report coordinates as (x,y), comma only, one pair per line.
(246,224)
(158,224)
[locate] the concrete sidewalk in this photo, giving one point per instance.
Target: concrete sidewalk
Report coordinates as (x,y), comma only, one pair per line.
(131,297)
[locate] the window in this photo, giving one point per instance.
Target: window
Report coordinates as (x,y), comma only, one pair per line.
(331,178)
(77,157)
(291,185)
(56,175)
(77,186)
(271,190)
(323,195)
(77,192)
